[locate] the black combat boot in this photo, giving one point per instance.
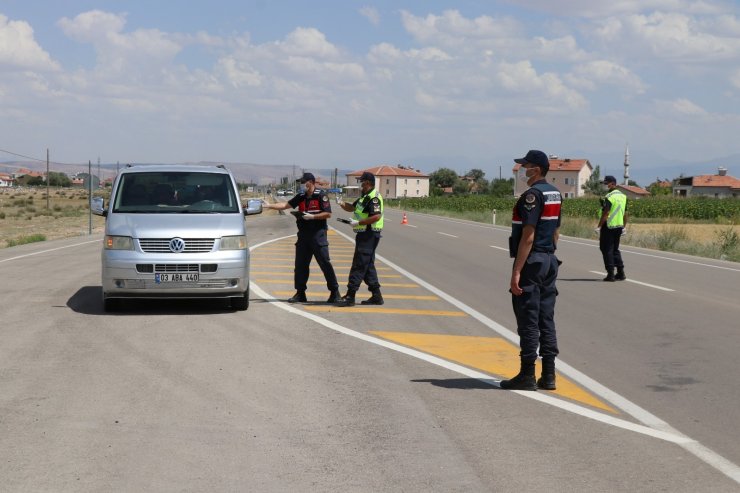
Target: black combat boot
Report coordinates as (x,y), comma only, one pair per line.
(298,297)
(375,299)
(620,274)
(349,298)
(334,297)
(547,380)
(524,379)
(609,275)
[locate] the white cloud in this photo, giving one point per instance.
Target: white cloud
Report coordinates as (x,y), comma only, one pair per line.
(308,42)
(371,14)
(595,9)
(141,51)
(681,107)
(19,49)
(590,74)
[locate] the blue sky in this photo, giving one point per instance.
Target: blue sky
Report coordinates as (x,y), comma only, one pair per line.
(348,84)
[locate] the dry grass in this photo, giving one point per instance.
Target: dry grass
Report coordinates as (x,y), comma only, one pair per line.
(700,233)
(24,213)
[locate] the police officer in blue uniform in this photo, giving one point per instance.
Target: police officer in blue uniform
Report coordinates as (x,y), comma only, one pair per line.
(367,223)
(534,235)
(315,209)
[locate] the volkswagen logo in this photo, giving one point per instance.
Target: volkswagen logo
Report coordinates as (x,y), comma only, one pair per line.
(177,245)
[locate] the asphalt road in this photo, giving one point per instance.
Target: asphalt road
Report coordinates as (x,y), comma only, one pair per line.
(192,396)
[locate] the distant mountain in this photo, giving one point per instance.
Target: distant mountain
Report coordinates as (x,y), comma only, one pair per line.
(645,167)
(262,174)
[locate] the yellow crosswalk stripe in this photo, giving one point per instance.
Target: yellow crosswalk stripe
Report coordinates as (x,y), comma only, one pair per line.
(381,310)
(489,354)
(318,272)
(323,283)
(320,294)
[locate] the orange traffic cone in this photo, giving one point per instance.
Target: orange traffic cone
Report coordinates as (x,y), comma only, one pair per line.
(404,220)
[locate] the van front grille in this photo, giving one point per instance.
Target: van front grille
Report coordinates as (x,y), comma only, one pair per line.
(163,268)
(162,245)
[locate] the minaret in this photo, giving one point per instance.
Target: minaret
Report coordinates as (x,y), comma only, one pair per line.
(627,164)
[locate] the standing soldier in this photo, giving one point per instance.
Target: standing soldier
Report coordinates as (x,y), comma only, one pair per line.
(611,227)
(315,207)
(535,228)
(367,223)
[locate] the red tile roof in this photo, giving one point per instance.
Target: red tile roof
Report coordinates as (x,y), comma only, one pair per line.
(634,189)
(566,164)
(715,181)
(386,170)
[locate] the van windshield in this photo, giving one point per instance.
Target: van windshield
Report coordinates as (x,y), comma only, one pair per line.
(175,192)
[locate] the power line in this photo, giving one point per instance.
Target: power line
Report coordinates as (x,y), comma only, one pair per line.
(39,160)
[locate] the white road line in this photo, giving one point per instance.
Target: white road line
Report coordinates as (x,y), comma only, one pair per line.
(47,251)
(499,248)
(637,282)
(482,377)
(446,234)
(646,417)
(661,257)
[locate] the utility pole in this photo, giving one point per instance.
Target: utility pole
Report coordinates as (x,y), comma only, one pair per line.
(89,196)
(98,171)
(47,179)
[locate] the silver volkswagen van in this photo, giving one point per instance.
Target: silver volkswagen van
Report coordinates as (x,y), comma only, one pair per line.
(175,231)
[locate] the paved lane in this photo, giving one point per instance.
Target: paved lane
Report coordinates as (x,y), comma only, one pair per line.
(183,395)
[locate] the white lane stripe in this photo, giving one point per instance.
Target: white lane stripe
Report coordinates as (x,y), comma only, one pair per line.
(661,257)
(47,251)
(499,248)
(708,456)
(483,377)
(637,282)
(446,234)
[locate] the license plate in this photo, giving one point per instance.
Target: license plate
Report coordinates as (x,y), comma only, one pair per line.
(165,278)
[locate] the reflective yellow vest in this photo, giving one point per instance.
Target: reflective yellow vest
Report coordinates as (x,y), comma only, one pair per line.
(360,214)
(616,212)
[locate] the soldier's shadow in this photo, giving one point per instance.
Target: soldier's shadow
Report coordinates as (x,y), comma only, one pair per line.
(462,383)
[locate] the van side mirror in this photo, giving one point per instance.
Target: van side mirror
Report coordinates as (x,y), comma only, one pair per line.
(97,206)
(254,206)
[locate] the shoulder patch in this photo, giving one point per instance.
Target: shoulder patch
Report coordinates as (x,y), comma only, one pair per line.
(529,198)
(326,199)
(376,201)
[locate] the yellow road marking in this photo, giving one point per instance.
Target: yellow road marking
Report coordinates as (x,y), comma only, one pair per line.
(323,283)
(290,266)
(386,296)
(489,354)
(379,310)
(318,272)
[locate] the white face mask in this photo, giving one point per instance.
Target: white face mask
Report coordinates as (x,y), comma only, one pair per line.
(522,174)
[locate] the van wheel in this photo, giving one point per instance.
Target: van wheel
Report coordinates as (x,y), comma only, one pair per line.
(111,304)
(241,303)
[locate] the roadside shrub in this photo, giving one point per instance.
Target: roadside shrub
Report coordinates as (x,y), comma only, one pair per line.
(26,239)
(2,215)
(667,239)
(728,240)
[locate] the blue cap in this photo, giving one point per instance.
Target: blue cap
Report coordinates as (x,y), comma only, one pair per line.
(307,177)
(538,158)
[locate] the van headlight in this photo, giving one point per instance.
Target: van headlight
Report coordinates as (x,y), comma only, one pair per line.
(119,243)
(234,242)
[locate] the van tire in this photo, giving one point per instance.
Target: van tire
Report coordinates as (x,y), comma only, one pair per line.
(242,302)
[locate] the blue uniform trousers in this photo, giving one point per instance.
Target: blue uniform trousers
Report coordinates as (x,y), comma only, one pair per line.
(309,245)
(609,246)
(534,309)
(363,261)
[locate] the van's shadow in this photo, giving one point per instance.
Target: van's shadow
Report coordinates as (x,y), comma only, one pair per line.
(89,301)
(462,383)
